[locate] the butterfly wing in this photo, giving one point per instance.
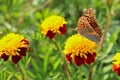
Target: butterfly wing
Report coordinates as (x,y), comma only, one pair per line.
(86,30)
(89,14)
(88,27)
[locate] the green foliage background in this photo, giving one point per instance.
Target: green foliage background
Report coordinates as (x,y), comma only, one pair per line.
(43,62)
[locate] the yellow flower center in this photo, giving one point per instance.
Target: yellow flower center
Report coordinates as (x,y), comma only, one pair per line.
(79,45)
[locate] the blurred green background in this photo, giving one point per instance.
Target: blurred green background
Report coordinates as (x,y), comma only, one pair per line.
(43,62)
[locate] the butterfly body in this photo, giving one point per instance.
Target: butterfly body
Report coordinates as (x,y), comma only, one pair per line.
(88,27)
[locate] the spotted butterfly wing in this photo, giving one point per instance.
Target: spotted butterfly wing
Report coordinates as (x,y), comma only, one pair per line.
(88,27)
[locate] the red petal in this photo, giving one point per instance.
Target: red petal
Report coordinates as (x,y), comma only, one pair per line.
(4,56)
(94,54)
(69,58)
(63,29)
(22,51)
(90,58)
(25,41)
(16,58)
(118,73)
(114,68)
(79,61)
(50,34)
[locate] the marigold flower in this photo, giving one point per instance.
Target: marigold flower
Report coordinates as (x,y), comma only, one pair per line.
(52,25)
(80,49)
(116,64)
(13,47)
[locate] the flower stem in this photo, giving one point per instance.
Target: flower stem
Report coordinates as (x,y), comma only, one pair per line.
(105,32)
(63,59)
(108,18)
(90,73)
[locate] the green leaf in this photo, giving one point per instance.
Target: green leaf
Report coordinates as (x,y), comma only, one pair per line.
(31,74)
(35,65)
(56,64)
(46,59)
(10,76)
(27,62)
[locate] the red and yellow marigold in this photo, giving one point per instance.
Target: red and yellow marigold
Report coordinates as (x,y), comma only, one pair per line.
(80,49)
(52,25)
(13,47)
(116,64)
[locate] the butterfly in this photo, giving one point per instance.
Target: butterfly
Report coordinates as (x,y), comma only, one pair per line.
(88,26)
